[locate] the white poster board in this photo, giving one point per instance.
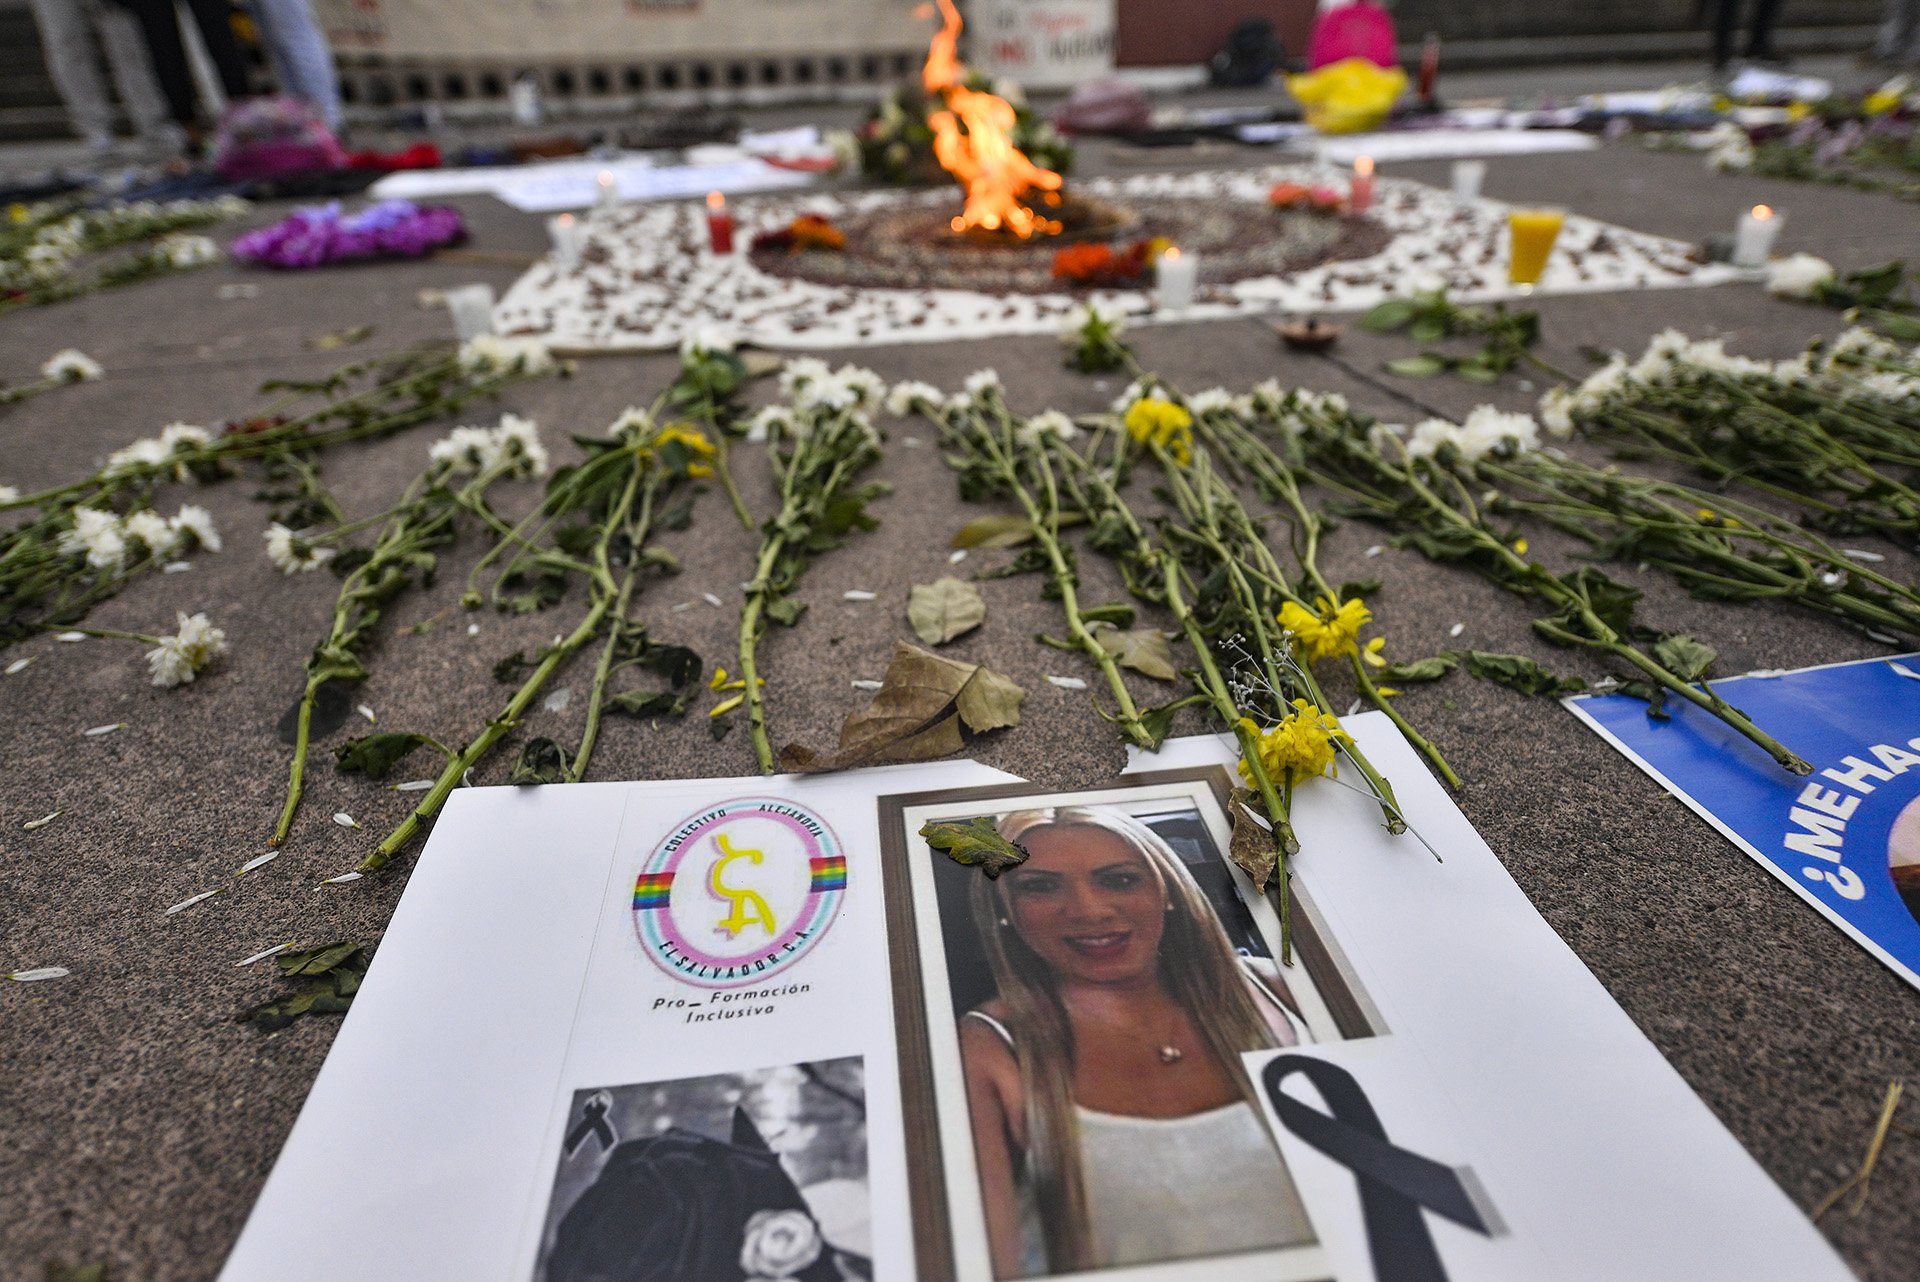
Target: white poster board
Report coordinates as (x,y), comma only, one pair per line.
(1041,44)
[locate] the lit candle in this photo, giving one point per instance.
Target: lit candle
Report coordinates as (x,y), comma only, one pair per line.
(719,224)
(1753,238)
(1174,279)
(609,189)
(1467,177)
(472,309)
(1360,195)
(567,233)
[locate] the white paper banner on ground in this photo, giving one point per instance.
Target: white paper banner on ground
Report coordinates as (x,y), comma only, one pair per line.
(747,1027)
(575,184)
(1041,44)
(650,279)
(1442,144)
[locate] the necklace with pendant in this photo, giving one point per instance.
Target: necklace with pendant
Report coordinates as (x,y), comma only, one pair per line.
(1170,1054)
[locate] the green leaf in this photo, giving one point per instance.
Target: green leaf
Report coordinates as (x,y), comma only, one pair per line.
(1120,614)
(375,755)
(325,980)
(1393,313)
(1684,657)
(1517,672)
(1426,365)
(57,1272)
(1419,670)
(541,761)
(648,703)
(1359,589)
(944,609)
(998,531)
(679,665)
(1429,328)
(784,610)
(316,961)
(977,843)
(1145,650)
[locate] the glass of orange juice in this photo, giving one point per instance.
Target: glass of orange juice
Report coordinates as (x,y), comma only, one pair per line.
(1534,231)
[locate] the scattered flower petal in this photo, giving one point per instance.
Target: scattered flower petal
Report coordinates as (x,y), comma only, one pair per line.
(1456,629)
(558,700)
(711,599)
(34,976)
(860,594)
(1376,550)
(1861,554)
(414,785)
(1068,683)
(257,861)
(70,637)
(473,629)
(345,878)
(262,955)
(683,605)
(344,819)
(19,665)
(911,442)
(869,685)
(190,901)
(176,567)
(367,712)
(97,731)
(33,825)
(957,556)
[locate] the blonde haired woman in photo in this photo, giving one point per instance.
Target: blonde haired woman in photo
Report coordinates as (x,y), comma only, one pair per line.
(1112,1121)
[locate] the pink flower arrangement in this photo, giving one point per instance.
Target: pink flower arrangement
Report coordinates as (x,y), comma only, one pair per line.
(322,234)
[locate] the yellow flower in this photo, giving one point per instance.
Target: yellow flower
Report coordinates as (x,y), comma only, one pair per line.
(1301,747)
(1162,423)
(1371,653)
(1880,102)
(691,439)
(1520,546)
(1334,631)
(1798,110)
(722,709)
(719,679)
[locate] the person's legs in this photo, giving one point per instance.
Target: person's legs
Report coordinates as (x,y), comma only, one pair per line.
(161,28)
(214,18)
(1726,16)
(132,69)
(68,45)
(1760,30)
(301,58)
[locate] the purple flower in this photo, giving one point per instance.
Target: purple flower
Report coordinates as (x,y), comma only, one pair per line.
(322,234)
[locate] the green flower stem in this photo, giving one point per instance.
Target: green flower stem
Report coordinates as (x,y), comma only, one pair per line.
(725,473)
(516,707)
(615,635)
(106,634)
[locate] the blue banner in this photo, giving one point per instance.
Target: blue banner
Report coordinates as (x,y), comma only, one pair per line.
(1846,837)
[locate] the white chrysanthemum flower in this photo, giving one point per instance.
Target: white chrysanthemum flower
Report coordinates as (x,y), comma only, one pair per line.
(1430,436)
(97,533)
(800,371)
(1086,315)
(1050,425)
(1492,431)
(181,657)
(1140,389)
(1605,383)
(465,449)
(519,439)
(1798,276)
(634,424)
(982,381)
(829,391)
(1212,400)
(773,421)
(1331,404)
(869,386)
(292,554)
(143,453)
(71,365)
(189,251)
(1728,147)
(905,396)
(174,436)
(1888,386)
(708,340)
(9,493)
(492,354)
(151,531)
(1556,411)
(196,524)
(1863,343)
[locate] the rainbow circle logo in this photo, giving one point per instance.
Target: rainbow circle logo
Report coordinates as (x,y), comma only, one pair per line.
(738,892)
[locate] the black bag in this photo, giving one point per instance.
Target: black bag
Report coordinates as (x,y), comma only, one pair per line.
(1250,56)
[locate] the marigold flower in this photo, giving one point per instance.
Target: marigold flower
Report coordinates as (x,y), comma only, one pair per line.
(1332,632)
(694,441)
(1162,423)
(813,231)
(1301,747)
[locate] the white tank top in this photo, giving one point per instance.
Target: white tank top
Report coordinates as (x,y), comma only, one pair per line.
(1174,1188)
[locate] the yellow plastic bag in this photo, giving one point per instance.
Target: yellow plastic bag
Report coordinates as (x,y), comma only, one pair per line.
(1349,96)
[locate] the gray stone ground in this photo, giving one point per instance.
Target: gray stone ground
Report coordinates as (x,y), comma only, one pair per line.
(139,1118)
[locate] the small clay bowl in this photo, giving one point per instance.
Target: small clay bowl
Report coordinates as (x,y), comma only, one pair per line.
(1310,335)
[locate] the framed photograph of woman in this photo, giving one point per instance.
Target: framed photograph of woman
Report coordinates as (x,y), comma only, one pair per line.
(1071,1035)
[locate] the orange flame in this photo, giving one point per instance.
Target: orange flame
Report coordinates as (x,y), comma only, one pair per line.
(973,141)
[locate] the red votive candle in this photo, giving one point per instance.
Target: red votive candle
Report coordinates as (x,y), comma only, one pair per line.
(1360,195)
(719,223)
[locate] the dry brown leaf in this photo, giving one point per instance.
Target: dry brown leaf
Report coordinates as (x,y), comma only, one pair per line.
(923,708)
(1252,846)
(1145,650)
(944,609)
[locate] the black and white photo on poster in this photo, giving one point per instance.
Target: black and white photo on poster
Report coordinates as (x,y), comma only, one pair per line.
(756,1176)
(1080,1025)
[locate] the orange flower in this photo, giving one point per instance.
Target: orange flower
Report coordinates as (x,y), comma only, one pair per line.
(812,231)
(1083,262)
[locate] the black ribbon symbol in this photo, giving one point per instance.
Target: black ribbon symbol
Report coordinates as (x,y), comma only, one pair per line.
(1395,1184)
(593,1121)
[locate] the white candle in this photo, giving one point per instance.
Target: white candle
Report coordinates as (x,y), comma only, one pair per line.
(1467,176)
(1174,279)
(567,234)
(609,189)
(1753,238)
(472,310)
